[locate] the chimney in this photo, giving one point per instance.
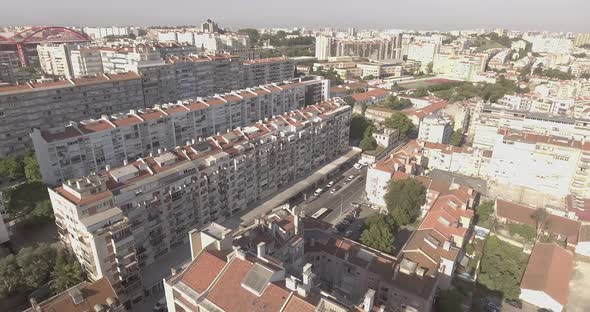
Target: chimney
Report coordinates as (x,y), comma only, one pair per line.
(173,271)
(107,168)
(369,300)
(125,162)
(291,283)
(99,308)
(261,250)
(307,274)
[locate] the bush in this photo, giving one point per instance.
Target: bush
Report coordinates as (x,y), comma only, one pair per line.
(525,231)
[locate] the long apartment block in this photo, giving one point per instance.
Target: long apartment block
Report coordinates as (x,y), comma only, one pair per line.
(89,146)
(51,104)
(120,220)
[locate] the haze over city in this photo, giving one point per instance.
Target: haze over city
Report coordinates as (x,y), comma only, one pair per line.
(417,14)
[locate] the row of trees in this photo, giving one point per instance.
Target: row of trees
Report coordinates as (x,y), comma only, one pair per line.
(14,167)
(33,268)
(396,103)
(404,199)
(465,90)
(552,73)
(330,74)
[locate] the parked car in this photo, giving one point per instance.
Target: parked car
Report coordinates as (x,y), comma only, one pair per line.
(358,166)
(491,307)
(355,205)
(330,184)
(335,189)
(350,178)
(348,233)
(318,192)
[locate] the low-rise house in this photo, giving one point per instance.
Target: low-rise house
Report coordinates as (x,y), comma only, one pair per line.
(371,97)
(565,230)
(545,282)
(97,296)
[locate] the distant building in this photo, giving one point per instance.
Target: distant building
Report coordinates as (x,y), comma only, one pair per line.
(96,33)
(374,48)
(582,39)
(436,128)
(55,59)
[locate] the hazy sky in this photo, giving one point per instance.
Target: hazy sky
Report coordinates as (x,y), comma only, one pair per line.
(558,15)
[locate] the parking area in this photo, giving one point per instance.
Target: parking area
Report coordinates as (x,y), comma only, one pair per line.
(342,201)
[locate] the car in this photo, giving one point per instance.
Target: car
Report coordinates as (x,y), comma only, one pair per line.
(349,218)
(330,184)
(355,205)
(517,303)
(350,178)
(345,222)
(318,192)
(357,166)
(348,233)
(335,189)
(356,212)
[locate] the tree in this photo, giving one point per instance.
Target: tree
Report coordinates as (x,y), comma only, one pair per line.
(31,167)
(404,199)
(540,216)
(29,202)
(501,267)
(10,275)
(10,167)
(378,234)
(36,265)
(67,272)
(420,92)
(449,300)
(358,125)
(400,122)
(484,212)
(396,103)
(252,34)
(456,138)
(368,143)
(369,77)
(349,100)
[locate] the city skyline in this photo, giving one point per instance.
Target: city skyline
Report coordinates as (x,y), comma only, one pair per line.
(525,15)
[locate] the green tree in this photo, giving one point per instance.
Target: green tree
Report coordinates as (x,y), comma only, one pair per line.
(349,100)
(449,300)
(67,272)
(368,143)
(420,92)
(10,275)
(11,167)
(403,199)
(36,265)
(29,202)
(369,77)
(378,234)
(252,34)
(31,167)
(540,216)
(484,213)
(358,125)
(456,138)
(400,122)
(501,267)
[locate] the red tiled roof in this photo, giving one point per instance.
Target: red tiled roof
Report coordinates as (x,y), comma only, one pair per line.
(549,270)
(523,214)
(202,271)
(229,295)
(377,93)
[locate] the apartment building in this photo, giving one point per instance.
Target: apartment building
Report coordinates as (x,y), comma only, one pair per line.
(548,164)
(55,59)
(460,67)
(88,146)
(98,234)
(86,62)
(263,71)
(146,207)
(388,48)
(436,128)
(464,160)
(97,33)
(122,60)
(423,52)
(488,119)
(582,39)
(550,44)
(52,104)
